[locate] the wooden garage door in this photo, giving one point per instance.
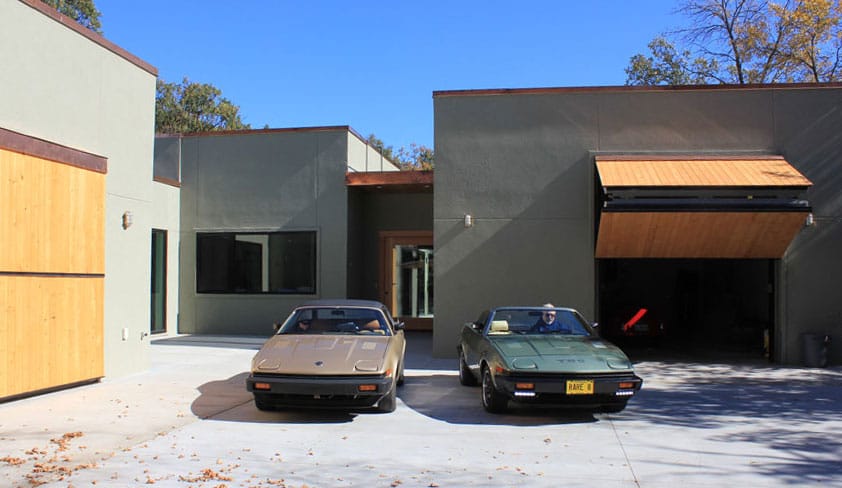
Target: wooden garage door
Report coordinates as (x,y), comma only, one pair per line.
(699,206)
(52,266)
(737,235)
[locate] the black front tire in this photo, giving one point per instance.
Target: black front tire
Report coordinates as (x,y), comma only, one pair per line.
(388,403)
(466,378)
(492,400)
(401,377)
(262,402)
(612,408)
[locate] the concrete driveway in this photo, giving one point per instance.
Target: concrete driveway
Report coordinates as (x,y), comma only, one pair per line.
(188,422)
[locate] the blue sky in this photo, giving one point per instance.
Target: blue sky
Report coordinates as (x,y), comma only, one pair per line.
(375,65)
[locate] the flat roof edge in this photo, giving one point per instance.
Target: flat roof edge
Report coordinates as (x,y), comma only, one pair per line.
(281,130)
(700,156)
(91,35)
(51,151)
(326,128)
(631,88)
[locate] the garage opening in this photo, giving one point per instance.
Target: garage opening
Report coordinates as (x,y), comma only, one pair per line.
(686,249)
(688,307)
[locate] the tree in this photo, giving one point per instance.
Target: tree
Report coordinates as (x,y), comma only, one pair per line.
(82,11)
(194,107)
(378,144)
(415,158)
(746,41)
(813,46)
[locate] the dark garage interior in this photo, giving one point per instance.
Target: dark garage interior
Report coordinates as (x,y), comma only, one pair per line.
(697,308)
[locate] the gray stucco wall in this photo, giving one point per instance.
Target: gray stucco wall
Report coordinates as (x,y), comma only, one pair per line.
(522,165)
(60,86)
(808,130)
(261,181)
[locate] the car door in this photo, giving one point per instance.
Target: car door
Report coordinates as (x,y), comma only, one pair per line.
(472,340)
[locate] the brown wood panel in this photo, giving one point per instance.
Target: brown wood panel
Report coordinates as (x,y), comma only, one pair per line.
(53,216)
(51,332)
(771,171)
(697,234)
(398,180)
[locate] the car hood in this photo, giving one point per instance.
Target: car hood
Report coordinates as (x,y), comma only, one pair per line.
(554,353)
(321,355)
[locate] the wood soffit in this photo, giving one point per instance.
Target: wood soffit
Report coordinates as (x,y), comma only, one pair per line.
(399,181)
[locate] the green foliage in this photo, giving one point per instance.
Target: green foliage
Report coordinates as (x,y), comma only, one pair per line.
(414,158)
(82,11)
(194,107)
(664,66)
(746,41)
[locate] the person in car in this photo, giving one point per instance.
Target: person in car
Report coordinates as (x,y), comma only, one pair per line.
(548,323)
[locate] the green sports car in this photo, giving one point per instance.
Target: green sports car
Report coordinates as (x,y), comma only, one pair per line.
(543,355)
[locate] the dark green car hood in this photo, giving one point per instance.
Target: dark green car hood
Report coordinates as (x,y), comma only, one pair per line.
(556,353)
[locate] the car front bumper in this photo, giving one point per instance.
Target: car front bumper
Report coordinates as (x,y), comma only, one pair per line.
(552,389)
(320,391)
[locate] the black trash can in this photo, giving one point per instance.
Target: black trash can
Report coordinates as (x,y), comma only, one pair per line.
(814,350)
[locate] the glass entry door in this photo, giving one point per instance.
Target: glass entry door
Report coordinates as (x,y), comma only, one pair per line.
(407,277)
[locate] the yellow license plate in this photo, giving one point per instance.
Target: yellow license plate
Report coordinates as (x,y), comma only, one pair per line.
(579,387)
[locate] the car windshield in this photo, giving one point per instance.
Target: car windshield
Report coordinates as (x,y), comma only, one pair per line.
(336,320)
(537,320)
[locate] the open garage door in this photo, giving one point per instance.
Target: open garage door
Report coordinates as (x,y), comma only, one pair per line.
(699,207)
(686,250)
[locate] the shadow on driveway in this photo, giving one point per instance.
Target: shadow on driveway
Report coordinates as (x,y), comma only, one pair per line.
(438,396)
(228,400)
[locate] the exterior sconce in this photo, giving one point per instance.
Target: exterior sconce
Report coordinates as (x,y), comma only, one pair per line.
(810,220)
(128,219)
(469,221)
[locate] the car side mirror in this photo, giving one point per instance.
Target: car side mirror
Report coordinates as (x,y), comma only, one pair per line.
(400,326)
(595,324)
(276,327)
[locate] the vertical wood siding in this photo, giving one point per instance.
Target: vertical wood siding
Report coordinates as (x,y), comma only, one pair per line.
(52,266)
(52,216)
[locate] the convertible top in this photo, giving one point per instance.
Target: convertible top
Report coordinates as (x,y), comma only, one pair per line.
(341,302)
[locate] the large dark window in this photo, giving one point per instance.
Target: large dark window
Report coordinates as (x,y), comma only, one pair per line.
(277,262)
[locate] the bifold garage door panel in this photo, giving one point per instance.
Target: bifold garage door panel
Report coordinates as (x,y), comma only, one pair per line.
(699,206)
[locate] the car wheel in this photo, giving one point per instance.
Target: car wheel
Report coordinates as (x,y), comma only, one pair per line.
(262,403)
(612,408)
(389,402)
(492,400)
(466,378)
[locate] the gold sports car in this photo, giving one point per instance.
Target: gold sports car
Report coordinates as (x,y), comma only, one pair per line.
(331,353)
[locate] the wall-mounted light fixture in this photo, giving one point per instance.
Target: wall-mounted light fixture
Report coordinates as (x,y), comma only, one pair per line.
(469,221)
(810,221)
(128,219)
